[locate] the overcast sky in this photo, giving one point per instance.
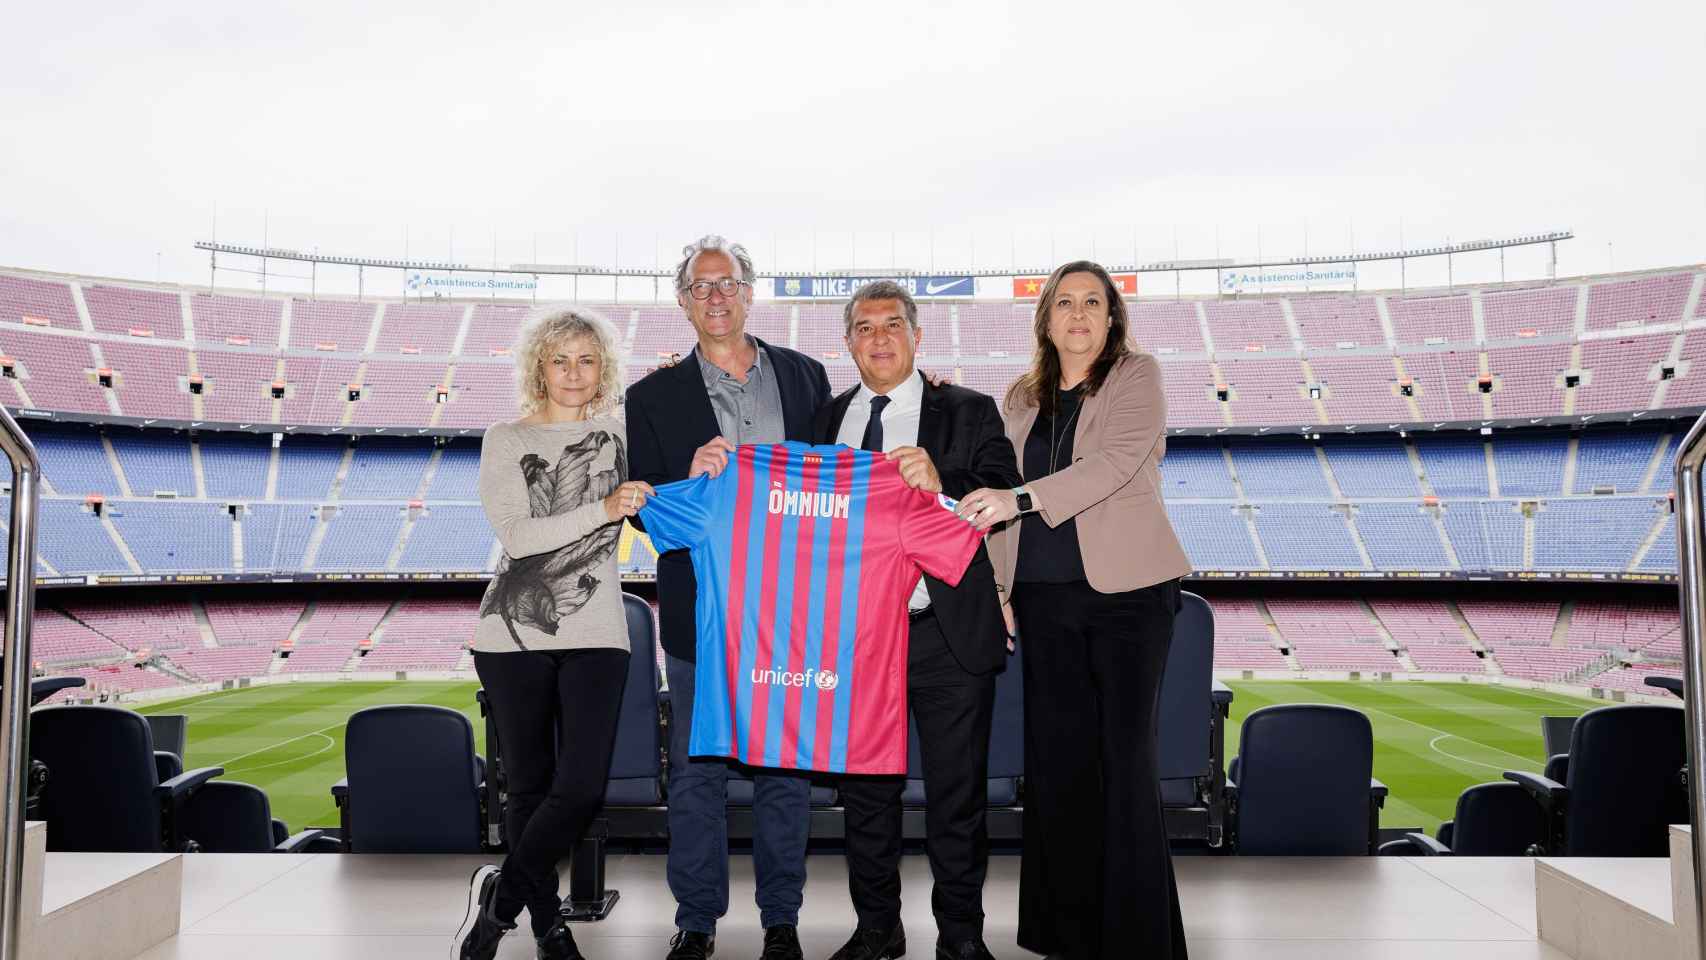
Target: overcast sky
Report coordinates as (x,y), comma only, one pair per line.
(945,134)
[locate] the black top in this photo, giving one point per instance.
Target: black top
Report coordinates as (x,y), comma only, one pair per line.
(1050,554)
(962,431)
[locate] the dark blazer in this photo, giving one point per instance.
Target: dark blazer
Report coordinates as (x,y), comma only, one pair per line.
(962,431)
(669,416)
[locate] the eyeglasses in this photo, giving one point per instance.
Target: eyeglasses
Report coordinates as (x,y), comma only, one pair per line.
(728,287)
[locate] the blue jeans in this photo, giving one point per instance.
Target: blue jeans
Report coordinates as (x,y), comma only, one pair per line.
(699,828)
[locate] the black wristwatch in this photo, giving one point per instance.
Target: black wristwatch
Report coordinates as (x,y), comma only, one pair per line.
(1024,498)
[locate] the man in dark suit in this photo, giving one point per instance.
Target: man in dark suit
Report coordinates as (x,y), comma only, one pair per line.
(683,420)
(947,440)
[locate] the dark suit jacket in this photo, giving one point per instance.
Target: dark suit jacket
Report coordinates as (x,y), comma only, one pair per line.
(669,416)
(962,431)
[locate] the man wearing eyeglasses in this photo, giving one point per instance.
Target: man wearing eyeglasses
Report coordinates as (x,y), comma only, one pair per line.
(683,420)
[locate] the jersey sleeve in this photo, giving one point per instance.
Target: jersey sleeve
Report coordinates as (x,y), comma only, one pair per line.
(933,536)
(679,515)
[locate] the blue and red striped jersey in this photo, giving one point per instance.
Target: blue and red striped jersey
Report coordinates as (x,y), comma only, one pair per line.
(805,557)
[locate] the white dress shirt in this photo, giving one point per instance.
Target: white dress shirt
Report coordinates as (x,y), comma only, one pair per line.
(900,429)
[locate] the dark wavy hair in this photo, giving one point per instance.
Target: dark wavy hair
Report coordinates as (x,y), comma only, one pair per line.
(1037,387)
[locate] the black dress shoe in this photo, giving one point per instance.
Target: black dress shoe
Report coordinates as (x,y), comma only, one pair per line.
(963,950)
(689,945)
(874,943)
(481,930)
(781,942)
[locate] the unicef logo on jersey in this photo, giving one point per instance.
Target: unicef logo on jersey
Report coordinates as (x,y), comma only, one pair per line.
(823,680)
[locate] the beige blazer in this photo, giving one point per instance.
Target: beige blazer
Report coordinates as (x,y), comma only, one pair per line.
(1113,486)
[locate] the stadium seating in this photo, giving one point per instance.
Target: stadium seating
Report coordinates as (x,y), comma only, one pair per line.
(1303,783)
(103,792)
(1191,753)
(252,622)
(133,311)
(318,658)
(451,537)
(1624,788)
(1629,325)
(1614,460)
(1491,820)
(413,783)
(230,817)
(234,466)
(155,463)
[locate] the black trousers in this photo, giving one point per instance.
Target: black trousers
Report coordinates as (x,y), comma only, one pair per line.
(952,709)
(556,784)
(1096,879)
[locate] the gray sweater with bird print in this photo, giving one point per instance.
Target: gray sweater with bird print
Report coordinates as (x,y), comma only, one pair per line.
(542,487)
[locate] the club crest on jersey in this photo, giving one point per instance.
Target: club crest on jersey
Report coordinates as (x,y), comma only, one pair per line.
(801,503)
(824,680)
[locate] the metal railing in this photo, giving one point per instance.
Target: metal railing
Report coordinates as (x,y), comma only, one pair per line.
(15,685)
(1691,570)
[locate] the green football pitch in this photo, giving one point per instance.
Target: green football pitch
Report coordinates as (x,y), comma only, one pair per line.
(1431,740)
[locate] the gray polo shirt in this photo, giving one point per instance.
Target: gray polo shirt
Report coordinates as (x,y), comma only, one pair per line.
(749,412)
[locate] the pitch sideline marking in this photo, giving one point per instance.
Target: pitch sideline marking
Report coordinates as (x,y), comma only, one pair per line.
(330,743)
(313,733)
(1434,746)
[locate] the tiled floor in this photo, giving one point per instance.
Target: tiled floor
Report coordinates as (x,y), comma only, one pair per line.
(333,907)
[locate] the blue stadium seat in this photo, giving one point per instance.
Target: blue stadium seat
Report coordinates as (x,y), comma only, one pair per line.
(234,466)
(154,462)
(1306,536)
(1191,730)
(1195,470)
(73,462)
(360,537)
(1214,535)
(103,791)
(276,535)
(1624,784)
(1399,536)
(1530,464)
(1455,466)
(636,766)
(1371,467)
(1006,746)
(1614,458)
(1491,820)
(385,469)
(448,537)
(413,783)
(1303,785)
(307,465)
(1278,469)
(458,473)
(230,817)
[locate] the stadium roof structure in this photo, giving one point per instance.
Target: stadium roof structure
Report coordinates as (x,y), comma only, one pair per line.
(594,270)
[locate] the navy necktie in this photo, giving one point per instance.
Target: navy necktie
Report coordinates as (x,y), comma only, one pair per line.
(874,427)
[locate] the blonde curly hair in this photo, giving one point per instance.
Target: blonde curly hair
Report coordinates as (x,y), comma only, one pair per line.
(549,330)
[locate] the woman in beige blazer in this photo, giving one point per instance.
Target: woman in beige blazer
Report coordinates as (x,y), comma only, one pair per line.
(1086,557)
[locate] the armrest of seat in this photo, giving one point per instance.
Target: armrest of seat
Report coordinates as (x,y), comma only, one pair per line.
(183,783)
(1220,695)
(1544,789)
(340,791)
(1427,846)
(1377,792)
(299,842)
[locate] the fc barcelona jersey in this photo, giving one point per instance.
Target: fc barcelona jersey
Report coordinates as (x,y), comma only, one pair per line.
(805,557)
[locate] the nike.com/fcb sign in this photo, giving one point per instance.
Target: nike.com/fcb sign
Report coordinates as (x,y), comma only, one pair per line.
(834,288)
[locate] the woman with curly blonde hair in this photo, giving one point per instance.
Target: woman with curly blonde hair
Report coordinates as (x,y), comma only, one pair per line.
(551,646)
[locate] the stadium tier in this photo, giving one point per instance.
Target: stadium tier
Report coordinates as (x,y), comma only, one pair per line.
(123,501)
(207,638)
(1616,344)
